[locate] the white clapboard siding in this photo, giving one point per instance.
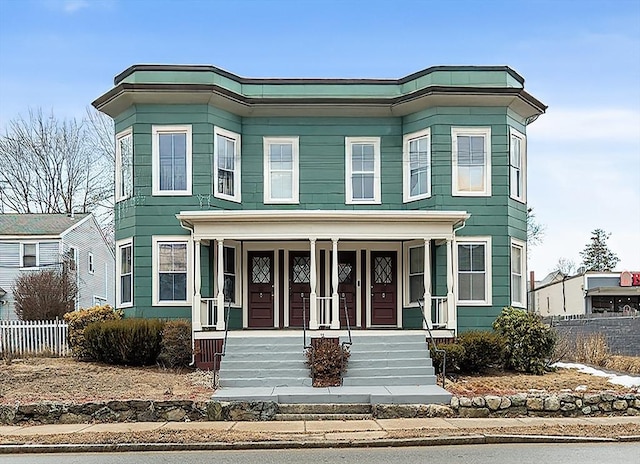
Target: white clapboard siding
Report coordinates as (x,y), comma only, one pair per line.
(33,338)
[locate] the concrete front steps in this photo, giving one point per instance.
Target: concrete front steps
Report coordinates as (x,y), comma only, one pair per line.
(297,412)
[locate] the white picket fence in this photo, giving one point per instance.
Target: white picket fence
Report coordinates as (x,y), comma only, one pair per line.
(18,338)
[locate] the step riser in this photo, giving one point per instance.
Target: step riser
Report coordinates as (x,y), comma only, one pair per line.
(389,372)
(264,365)
(272,373)
(264,357)
(390,347)
(382,363)
(324,409)
(288,382)
(321,417)
(388,381)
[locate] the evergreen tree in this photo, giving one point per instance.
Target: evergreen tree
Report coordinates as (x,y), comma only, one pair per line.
(596,255)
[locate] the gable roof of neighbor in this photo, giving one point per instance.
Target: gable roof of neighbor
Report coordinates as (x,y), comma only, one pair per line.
(38,224)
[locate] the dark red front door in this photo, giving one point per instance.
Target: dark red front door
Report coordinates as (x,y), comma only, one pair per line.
(299,287)
(260,288)
(347,286)
(383,288)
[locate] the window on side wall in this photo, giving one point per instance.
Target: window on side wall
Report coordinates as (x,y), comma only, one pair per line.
(416,162)
(124,165)
(171,282)
(416,273)
(29,255)
(517,166)
(518,281)
(124,266)
(226,164)
(474,271)
(281,170)
(171,147)
(90,264)
(471,161)
(362,174)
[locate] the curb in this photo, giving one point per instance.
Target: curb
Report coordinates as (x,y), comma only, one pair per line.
(292,444)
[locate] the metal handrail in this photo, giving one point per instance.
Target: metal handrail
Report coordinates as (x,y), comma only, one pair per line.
(345,343)
(219,354)
(433,342)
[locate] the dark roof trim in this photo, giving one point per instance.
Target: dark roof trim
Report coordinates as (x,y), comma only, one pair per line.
(451,90)
(252,80)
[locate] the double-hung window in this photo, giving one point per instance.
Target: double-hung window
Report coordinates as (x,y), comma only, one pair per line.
(171,161)
(229,267)
(518,263)
(281,170)
(124,165)
(226,164)
(124,265)
(471,159)
(29,255)
(90,264)
(474,271)
(416,162)
(416,274)
(517,165)
(362,176)
(172,281)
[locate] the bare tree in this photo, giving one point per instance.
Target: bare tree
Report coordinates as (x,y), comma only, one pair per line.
(50,166)
(566,266)
(535,230)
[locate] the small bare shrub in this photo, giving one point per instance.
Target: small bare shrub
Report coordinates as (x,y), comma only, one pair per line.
(592,349)
(44,295)
(176,348)
(327,359)
(629,364)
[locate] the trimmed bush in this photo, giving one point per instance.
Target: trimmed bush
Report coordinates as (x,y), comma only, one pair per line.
(483,349)
(327,359)
(455,357)
(78,322)
(176,349)
(128,342)
(528,341)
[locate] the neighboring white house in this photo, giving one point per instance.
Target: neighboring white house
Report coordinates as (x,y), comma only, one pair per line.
(587,293)
(31,242)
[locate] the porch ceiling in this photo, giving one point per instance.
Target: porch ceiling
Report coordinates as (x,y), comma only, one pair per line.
(321,225)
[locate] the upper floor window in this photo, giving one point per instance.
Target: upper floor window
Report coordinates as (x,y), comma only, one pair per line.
(226,164)
(29,255)
(517,165)
(124,278)
(416,162)
(124,165)
(90,264)
(281,170)
(362,174)
(474,271)
(171,147)
(471,161)
(518,263)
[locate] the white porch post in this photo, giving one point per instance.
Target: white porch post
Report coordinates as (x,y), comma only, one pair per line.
(427,283)
(196,321)
(452,313)
(335,300)
(220,325)
(313,296)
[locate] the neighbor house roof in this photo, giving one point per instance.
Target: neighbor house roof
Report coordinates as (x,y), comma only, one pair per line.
(37,224)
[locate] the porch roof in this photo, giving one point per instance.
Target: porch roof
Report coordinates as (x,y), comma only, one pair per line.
(321,224)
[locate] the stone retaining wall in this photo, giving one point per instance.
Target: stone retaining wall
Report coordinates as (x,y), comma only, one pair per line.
(518,405)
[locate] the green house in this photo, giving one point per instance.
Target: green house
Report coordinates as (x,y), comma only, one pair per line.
(254,203)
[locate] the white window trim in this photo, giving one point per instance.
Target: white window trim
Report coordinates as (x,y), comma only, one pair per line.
(119,136)
(91,265)
(348,142)
(406,263)
(155,159)
(523,164)
(120,244)
(22,244)
(406,166)
(238,271)
(488,270)
(155,281)
(295,187)
(470,131)
(523,265)
(237,181)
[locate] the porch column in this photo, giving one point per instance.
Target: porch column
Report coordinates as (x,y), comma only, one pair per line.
(427,283)
(335,299)
(452,313)
(220,324)
(313,296)
(196,309)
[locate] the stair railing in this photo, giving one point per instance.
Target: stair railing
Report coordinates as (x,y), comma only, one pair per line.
(345,343)
(433,342)
(218,355)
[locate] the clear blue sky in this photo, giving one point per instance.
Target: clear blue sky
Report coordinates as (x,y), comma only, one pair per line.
(582,58)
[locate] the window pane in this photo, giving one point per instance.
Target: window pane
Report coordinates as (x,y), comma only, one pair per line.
(281,185)
(464,287)
(165,257)
(464,257)
(225,182)
(477,287)
(125,289)
(229,287)
(126,166)
(477,257)
(416,287)
(180,287)
(125,260)
(516,260)
(416,260)
(516,288)
(179,256)
(166,287)
(229,260)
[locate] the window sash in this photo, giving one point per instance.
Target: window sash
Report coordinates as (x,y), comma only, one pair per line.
(472,272)
(515,162)
(126,274)
(416,273)
(125,166)
(226,165)
(29,255)
(517,268)
(229,268)
(172,161)
(172,271)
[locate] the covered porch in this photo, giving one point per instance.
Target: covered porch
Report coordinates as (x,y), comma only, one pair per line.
(322,270)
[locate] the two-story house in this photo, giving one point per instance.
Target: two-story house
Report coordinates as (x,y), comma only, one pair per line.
(293,198)
(35,242)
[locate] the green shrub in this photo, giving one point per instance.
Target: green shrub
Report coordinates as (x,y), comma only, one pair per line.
(176,349)
(455,357)
(78,322)
(327,359)
(129,342)
(528,341)
(483,349)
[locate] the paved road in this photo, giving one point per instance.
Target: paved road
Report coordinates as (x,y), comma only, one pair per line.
(589,453)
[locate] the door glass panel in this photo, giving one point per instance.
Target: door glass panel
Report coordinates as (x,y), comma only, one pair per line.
(261,270)
(345,273)
(301,269)
(383,270)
